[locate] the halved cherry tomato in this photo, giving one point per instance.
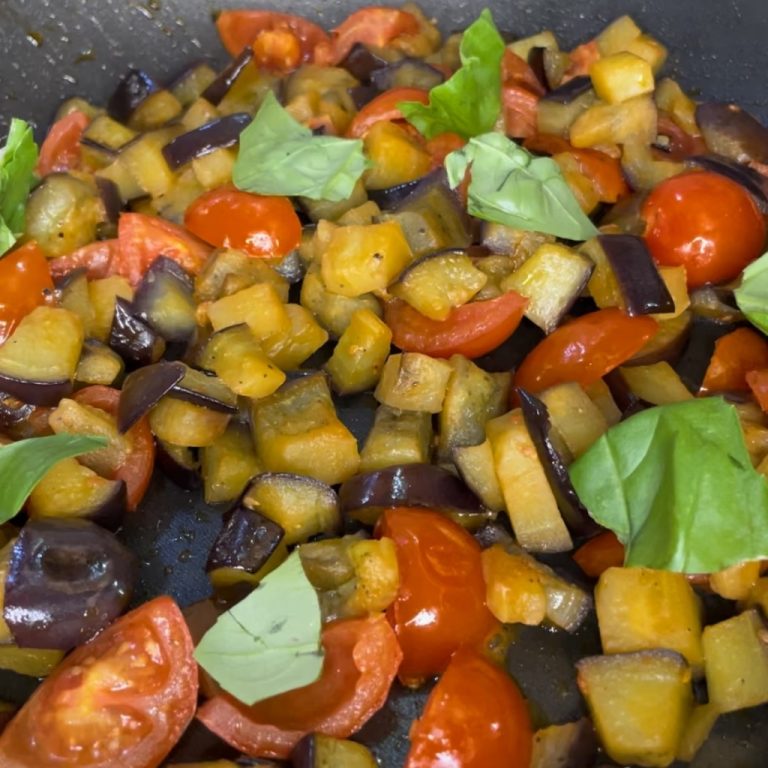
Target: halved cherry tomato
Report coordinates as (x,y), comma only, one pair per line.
(143,238)
(279,40)
(25,283)
(60,150)
(440,146)
(96,258)
(585,349)
(134,467)
(471,330)
(758,383)
(361,660)
(122,699)
(521,107)
(375,26)
(705,222)
(604,172)
(475,717)
(582,58)
(262,226)
(599,554)
(440,606)
(735,355)
(516,71)
(384,107)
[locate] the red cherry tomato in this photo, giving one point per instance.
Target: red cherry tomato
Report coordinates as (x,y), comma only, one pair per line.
(735,355)
(263,226)
(704,222)
(471,330)
(475,717)
(135,463)
(585,349)
(599,554)
(122,699)
(25,283)
(440,146)
(758,383)
(61,149)
(521,108)
(96,258)
(143,238)
(384,107)
(440,605)
(361,660)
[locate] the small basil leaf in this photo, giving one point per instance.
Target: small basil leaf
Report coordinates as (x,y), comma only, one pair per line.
(17,165)
(752,295)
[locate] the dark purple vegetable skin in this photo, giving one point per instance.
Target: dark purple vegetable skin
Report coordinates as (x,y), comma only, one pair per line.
(67,580)
(217,90)
(536,63)
(109,513)
(13,411)
(246,541)
(46,393)
(130,92)
(143,389)
(641,285)
(537,421)
(571,90)
(361,62)
(693,363)
(200,388)
(730,131)
(626,400)
(391,197)
(755,183)
(132,338)
(220,133)
(110,196)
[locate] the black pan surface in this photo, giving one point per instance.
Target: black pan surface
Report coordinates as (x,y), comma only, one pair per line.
(58,48)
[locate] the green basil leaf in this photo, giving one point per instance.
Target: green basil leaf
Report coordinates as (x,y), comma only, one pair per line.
(511,186)
(752,295)
(17,174)
(469,102)
(269,642)
(676,485)
(279,156)
(23,464)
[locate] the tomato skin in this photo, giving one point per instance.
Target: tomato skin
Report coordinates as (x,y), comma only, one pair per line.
(582,58)
(735,355)
(471,330)
(139,462)
(25,283)
(758,384)
(143,238)
(584,349)
(704,222)
(475,717)
(238,29)
(440,146)
(96,258)
(122,699)
(521,108)
(60,151)
(262,226)
(599,554)
(440,605)
(384,107)
(361,660)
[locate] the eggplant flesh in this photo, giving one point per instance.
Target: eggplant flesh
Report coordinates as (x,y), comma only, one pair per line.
(730,131)
(133,339)
(203,389)
(408,72)
(130,92)
(218,134)
(67,580)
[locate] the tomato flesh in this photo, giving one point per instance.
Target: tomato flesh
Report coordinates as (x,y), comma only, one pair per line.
(124,698)
(440,605)
(384,107)
(263,226)
(704,222)
(735,355)
(61,149)
(475,717)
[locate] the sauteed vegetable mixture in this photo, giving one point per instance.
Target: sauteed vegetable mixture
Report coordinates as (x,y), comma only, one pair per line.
(543,267)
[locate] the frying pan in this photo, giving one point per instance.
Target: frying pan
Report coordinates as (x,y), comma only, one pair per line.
(57,48)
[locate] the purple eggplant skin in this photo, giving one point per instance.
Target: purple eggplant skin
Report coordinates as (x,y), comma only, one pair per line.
(409,72)
(218,89)
(13,411)
(143,388)
(45,393)
(571,90)
(362,94)
(755,183)
(130,92)
(67,580)
(730,131)
(361,62)
(179,464)
(218,134)
(626,400)
(693,363)
(389,198)
(246,541)
(110,513)
(111,199)
(536,63)
(575,515)
(641,285)
(205,389)
(135,341)
(166,282)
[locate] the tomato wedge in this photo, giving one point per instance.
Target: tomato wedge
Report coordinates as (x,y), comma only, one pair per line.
(735,355)
(515,70)
(758,383)
(135,464)
(440,605)
(599,554)
(96,258)
(585,349)
(61,149)
(471,330)
(262,226)
(521,108)
(384,107)
(361,660)
(25,283)
(272,35)
(122,699)
(475,717)
(375,26)
(442,145)
(143,238)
